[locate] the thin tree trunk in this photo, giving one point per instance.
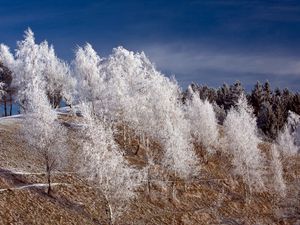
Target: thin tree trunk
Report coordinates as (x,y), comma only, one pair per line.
(149,184)
(108,210)
(48,177)
(137,150)
(5,106)
(11,104)
(124,135)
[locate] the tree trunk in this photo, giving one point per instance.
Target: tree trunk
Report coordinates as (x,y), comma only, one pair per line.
(108,210)
(48,170)
(137,150)
(11,104)
(149,184)
(5,105)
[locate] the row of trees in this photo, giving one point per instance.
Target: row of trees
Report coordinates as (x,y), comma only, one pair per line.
(125,93)
(271,107)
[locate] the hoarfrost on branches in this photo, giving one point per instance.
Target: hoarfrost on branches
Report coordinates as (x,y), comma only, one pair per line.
(42,130)
(241,133)
(33,59)
(289,137)
(86,67)
(131,92)
(204,125)
(103,163)
(276,163)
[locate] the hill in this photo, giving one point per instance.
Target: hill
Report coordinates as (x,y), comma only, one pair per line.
(214,197)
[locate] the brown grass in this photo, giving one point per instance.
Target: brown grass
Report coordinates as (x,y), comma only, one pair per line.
(214,197)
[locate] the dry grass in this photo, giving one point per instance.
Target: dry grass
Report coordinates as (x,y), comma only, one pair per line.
(215,197)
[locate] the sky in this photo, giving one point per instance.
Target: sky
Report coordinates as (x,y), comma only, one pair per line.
(206,42)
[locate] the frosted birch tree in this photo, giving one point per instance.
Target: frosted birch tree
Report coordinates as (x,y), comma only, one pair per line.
(204,125)
(289,137)
(242,138)
(279,183)
(104,164)
(6,57)
(41,129)
(60,85)
(149,102)
(31,58)
(86,67)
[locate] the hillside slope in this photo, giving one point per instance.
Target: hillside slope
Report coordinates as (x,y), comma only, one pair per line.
(215,197)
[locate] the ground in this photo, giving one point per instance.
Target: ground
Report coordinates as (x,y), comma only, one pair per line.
(214,197)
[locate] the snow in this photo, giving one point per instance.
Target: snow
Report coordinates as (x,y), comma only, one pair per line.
(10,120)
(33,186)
(20,172)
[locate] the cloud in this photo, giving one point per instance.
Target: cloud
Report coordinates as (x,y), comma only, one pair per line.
(208,64)
(187,60)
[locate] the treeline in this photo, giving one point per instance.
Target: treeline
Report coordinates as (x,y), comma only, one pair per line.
(271,107)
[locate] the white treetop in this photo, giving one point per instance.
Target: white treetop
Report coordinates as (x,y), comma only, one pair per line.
(204,125)
(289,137)
(57,74)
(6,57)
(86,66)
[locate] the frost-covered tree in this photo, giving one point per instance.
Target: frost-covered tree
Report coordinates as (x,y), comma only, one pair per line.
(31,59)
(289,137)
(42,130)
(140,96)
(26,65)
(104,164)
(241,133)
(131,93)
(6,57)
(86,66)
(59,82)
(276,165)
(204,126)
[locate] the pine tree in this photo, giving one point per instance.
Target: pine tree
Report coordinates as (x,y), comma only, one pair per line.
(267,92)
(223,98)
(266,119)
(256,97)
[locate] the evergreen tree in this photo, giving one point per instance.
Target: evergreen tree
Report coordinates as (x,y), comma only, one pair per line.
(223,98)
(295,106)
(267,91)
(256,97)
(266,120)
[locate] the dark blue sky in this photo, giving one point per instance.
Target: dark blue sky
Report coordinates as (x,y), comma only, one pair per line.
(209,42)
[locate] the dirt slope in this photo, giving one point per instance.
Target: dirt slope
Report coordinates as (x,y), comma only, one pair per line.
(215,197)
